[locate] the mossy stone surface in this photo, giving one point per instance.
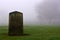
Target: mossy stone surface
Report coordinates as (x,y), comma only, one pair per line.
(15,23)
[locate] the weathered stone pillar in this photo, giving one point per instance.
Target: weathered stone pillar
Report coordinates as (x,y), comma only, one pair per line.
(15,24)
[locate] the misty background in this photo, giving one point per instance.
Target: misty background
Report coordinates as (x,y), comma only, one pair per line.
(34,11)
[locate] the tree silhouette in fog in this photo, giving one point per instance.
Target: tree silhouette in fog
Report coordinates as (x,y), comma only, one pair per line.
(49,10)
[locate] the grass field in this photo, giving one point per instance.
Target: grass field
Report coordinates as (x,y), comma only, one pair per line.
(36,33)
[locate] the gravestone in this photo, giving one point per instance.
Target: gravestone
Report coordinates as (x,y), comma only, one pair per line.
(15,23)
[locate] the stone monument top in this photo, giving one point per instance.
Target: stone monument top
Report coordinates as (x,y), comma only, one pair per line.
(15,12)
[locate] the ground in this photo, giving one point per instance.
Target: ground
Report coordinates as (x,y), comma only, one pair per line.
(35,33)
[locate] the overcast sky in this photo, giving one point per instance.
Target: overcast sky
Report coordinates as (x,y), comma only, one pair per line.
(32,10)
(25,6)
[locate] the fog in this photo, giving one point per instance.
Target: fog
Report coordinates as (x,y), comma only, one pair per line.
(31,10)
(49,12)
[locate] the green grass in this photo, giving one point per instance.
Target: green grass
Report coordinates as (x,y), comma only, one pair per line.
(36,33)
